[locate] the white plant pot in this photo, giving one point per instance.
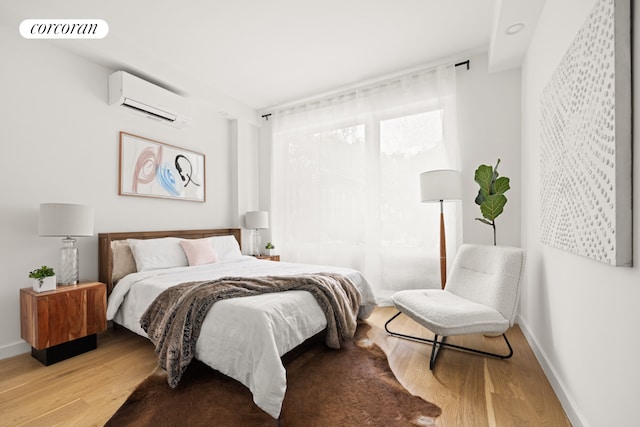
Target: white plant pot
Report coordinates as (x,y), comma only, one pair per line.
(48,284)
(270,251)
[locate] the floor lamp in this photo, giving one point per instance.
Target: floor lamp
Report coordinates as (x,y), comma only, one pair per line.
(438,186)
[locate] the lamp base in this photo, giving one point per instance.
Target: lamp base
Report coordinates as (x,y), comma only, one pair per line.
(443,250)
(69,263)
(257,242)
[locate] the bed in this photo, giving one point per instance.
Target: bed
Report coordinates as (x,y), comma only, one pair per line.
(243,338)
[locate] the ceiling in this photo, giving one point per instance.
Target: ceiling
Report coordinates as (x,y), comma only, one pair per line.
(256,54)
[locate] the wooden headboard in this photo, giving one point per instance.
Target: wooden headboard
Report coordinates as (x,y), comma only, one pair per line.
(105,256)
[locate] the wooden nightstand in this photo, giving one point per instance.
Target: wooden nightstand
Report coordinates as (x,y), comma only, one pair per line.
(268,257)
(64,322)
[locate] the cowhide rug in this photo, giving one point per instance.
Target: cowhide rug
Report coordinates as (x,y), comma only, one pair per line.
(353,386)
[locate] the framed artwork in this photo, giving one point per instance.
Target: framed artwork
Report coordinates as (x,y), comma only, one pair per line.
(151,168)
(586,142)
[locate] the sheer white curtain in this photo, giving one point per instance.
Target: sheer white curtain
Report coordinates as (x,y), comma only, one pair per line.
(345,179)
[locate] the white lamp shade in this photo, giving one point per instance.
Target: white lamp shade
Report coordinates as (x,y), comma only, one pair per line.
(65,220)
(257,219)
(444,184)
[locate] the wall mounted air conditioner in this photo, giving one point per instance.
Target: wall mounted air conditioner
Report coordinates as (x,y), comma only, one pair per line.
(148,100)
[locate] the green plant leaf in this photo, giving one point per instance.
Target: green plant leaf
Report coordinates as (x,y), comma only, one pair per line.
(42,272)
(493,206)
(484,177)
(501,185)
(494,177)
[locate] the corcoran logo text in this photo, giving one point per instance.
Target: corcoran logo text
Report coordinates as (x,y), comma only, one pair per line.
(64,28)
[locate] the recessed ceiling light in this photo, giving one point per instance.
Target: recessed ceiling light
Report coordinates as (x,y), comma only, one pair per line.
(514,29)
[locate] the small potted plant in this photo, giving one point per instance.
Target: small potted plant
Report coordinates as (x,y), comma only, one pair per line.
(44,279)
(270,248)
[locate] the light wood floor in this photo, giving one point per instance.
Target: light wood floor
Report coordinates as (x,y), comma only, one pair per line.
(471,390)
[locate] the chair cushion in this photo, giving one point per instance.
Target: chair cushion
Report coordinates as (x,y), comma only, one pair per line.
(488,275)
(447,314)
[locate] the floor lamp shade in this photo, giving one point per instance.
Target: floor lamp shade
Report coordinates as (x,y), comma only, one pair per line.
(68,221)
(257,220)
(444,184)
(438,186)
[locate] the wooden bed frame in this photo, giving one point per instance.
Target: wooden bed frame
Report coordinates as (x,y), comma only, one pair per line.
(105,257)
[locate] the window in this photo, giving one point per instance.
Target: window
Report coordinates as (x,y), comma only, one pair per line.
(407,144)
(346,180)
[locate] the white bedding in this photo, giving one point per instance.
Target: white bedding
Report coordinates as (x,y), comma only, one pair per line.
(241,337)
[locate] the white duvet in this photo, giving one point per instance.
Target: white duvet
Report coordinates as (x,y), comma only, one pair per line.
(241,337)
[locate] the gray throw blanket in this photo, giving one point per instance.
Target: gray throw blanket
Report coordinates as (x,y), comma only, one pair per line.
(174,319)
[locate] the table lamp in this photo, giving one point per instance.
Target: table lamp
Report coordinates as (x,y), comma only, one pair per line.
(68,221)
(257,220)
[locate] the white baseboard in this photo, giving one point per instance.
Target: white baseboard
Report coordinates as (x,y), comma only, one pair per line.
(14,349)
(568,404)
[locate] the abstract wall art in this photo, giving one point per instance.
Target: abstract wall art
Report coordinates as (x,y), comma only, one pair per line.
(585,156)
(150,168)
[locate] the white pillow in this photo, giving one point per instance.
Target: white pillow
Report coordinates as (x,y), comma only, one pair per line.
(226,247)
(156,254)
(199,251)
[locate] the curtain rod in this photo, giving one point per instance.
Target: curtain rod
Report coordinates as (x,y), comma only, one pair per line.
(458,64)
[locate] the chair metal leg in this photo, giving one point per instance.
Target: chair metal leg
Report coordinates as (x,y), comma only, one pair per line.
(435,350)
(438,344)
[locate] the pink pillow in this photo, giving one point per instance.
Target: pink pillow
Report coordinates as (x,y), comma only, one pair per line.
(199,251)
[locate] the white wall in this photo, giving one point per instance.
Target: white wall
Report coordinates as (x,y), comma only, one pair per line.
(264,177)
(581,316)
(489,129)
(244,176)
(59,141)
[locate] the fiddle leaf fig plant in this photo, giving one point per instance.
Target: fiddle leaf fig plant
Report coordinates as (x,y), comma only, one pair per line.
(491,198)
